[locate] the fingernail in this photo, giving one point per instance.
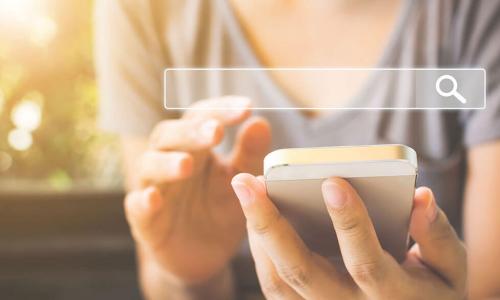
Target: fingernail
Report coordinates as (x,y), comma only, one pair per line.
(243,192)
(431,210)
(334,194)
(208,128)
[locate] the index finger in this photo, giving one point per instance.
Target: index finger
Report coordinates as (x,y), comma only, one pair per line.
(273,287)
(294,262)
(264,221)
(363,256)
(202,125)
(228,110)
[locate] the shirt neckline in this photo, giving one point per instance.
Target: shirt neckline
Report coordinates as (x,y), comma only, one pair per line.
(336,117)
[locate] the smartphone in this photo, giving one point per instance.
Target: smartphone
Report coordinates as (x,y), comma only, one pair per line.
(383,175)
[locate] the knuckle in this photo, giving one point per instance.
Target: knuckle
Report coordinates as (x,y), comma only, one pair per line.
(367,272)
(144,166)
(297,276)
(264,227)
(346,220)
(462,254)
(272,286)
(165,133)
(442,231)
(156,134)
(154,138)
(128,204)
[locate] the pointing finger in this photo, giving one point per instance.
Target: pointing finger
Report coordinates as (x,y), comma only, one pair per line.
(229,110)
(159,167)
(186,135)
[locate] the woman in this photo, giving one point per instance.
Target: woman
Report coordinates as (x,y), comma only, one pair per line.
(183,212)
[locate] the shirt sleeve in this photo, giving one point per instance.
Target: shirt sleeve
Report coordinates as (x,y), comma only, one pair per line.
(482,49)
(129,63)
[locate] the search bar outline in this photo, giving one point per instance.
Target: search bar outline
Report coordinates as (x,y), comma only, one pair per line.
(265,69)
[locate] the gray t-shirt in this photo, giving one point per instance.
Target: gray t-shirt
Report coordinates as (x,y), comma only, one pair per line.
(136,40)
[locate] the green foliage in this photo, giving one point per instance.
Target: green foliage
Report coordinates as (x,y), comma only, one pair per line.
(67,148)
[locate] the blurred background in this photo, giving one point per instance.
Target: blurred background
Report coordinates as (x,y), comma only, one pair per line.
(62,231)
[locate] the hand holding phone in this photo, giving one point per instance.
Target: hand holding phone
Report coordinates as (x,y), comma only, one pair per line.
(383,175)
(434,268)
(369,211)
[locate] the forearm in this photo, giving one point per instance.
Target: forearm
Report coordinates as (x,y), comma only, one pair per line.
(482,226)
(155,285)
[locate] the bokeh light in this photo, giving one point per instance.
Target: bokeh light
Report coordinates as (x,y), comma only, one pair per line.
(43,30)
(28,20)
(20,139)
(17,10)
(47,121)
(27,115)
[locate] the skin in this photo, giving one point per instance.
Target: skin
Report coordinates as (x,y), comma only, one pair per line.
(170,260)
(179,187)
(435,267)
(288,33)
(482,225)
(182,211)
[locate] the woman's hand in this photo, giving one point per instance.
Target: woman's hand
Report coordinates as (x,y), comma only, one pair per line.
(435,267)
(184,216)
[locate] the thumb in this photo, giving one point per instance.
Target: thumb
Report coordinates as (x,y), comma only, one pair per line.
(253,142)
(438,244)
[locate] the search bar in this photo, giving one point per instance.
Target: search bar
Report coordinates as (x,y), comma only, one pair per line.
(330,88)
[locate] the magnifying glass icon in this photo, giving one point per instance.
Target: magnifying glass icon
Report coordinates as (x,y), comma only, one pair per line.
(453,92)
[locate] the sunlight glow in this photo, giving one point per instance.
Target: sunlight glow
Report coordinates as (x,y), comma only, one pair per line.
(20,139)
(27,115)
(17,9)
(43,30)
(28,17)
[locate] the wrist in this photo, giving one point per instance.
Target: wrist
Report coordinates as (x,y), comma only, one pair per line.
(156,283)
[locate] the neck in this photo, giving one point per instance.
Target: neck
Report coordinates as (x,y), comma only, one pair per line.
(310,7)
